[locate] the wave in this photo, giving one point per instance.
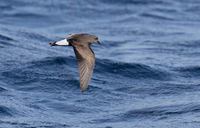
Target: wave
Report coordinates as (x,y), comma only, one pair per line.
(39,75)
(157,112)
(2,89)
(190,44)
(33,124)
(56,73)
(103,66)
(172,88)
(26,15)
(191,71)
(161,111)
(136,2)
(6,7)
(33,36)
(156,16)
(4,44)
(131,70)
(5,41)
(5,38)
(5,111)
(155,89)
(49,61)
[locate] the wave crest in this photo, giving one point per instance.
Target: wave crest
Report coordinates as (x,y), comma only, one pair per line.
(131,70)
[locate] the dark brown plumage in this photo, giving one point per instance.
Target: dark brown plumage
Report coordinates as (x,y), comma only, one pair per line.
(84,54)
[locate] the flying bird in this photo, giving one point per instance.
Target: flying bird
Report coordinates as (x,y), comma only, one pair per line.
(84,54)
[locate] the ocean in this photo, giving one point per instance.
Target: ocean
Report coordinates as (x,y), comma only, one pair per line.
(147,72)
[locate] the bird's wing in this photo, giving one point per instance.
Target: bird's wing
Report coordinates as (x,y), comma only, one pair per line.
(86,62)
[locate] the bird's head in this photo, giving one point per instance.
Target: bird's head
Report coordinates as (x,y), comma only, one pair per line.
(83,38)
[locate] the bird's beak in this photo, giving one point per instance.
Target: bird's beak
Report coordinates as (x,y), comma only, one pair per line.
(63,42)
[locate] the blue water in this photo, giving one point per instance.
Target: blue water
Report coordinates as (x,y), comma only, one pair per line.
(147,72)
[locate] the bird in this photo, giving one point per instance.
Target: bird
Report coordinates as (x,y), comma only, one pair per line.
(81,43)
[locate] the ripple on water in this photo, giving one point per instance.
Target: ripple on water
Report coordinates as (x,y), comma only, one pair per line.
(5,38)
(49,74)
(161,111)
(191,71)
(5,111)
(155,113)
(2,89)
(131,70)
(5,41)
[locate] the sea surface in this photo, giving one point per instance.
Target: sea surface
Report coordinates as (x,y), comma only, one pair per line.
(147,72)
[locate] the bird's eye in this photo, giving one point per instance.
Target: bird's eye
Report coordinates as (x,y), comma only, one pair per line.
(75,40)
(72,40)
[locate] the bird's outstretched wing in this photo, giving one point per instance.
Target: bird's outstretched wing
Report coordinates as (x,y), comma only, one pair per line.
(86,62)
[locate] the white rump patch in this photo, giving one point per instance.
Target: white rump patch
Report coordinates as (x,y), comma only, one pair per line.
(62,42)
